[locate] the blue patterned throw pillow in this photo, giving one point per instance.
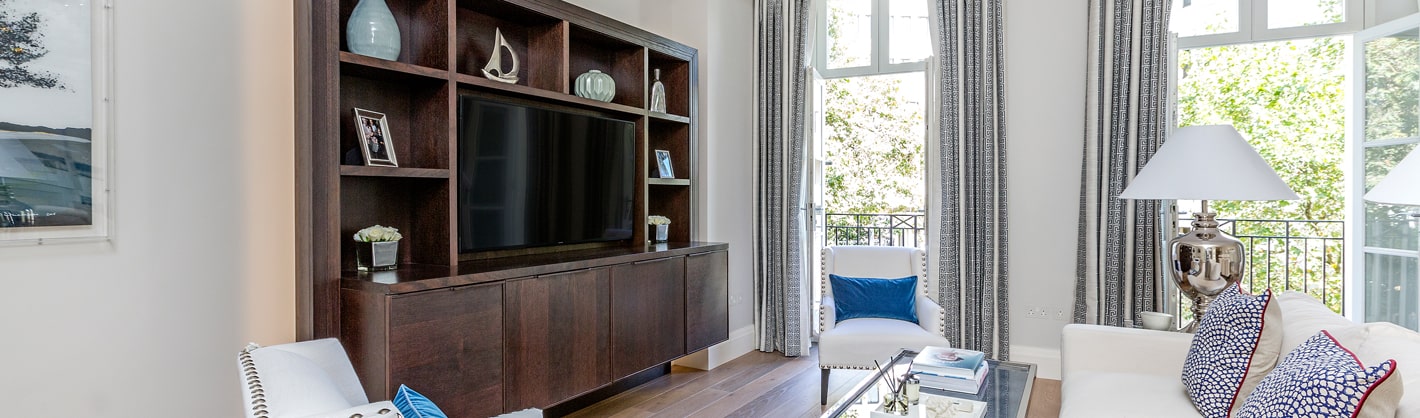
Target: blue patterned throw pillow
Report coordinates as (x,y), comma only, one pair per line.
(855,297)
(1238,341)
(1320,378)
(413,405)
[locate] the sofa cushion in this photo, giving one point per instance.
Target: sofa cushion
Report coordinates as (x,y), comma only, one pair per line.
(1095,394)
(865,297)
(1303,316)
(1238,341)
(1380,341)
(1323,378)
(855,343)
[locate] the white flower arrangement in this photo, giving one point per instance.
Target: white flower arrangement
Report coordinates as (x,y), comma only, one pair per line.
(378,233)
(658,220)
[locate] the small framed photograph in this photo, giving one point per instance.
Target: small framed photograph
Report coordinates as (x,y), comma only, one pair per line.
(663,162)
(375,142)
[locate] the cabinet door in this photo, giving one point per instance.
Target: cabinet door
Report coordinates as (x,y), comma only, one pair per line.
(707,299)
(647,314)
(447,345)
(557,332)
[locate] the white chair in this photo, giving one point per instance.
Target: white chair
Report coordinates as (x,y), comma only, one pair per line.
(308,379)
(855,343)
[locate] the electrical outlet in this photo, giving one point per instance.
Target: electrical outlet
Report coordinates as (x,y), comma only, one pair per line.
(1060,314)
(736,300)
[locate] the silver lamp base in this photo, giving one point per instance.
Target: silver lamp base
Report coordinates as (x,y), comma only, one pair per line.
(1205,261)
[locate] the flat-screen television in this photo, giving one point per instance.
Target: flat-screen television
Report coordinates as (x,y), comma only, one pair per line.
(533,176)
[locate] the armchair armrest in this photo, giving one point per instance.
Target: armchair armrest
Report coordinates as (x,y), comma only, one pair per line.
(827,315)
(930,315)
(382,409)
(1114,349)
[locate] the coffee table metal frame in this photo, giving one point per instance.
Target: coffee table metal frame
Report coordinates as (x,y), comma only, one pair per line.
(994,376)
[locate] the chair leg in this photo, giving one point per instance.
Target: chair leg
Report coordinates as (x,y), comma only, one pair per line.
(823,388)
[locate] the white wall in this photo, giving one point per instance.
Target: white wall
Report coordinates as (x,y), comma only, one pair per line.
(1045,101)
(150,324)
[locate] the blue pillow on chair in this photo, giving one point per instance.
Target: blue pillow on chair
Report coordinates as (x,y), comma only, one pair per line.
(855,297)
(413,405)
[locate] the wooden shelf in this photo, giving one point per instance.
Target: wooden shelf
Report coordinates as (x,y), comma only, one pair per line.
(669,117)
(371,67)
(377,171)
(667,182)
(525,91)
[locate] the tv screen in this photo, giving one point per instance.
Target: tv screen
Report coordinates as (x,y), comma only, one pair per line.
(532,176)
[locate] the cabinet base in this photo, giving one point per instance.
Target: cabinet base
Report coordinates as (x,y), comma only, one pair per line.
(591,398)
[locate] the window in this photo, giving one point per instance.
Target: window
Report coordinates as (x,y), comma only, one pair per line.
(871,37)
(1222,22)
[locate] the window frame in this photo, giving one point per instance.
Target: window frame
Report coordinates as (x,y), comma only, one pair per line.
(1252,26)
(882,40)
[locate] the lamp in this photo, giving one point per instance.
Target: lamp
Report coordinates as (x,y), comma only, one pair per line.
(1205,163)
(1398,186)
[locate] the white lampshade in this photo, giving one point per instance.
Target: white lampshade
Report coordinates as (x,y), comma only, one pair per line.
(1401,186)
(1210,162)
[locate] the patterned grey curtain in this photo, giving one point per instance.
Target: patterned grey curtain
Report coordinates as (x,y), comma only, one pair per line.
(781,291)
(1126,119)
(969,129)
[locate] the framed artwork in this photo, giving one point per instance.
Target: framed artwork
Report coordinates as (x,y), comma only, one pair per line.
(663,163)
(55,124)
(375,142)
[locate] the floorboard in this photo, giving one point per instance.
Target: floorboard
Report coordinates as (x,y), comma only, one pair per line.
(760,385)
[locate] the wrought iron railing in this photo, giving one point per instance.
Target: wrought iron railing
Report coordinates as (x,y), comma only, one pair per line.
(1302,255)
(890,229)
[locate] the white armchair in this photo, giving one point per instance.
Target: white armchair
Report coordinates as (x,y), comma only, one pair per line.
(308,379)
(855,343)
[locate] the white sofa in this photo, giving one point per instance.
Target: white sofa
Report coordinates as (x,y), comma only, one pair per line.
(1122,372)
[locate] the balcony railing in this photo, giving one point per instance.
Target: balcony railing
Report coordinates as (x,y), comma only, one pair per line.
(1301,255)
(889,229)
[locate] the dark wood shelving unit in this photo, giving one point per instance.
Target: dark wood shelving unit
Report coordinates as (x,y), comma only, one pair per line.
(444,47)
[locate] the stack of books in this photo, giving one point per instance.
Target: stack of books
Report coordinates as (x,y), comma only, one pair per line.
(952,369)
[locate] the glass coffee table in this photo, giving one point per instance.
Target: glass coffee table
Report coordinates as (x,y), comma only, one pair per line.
(1006,392)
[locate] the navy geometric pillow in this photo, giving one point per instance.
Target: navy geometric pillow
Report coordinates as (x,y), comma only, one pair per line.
(1238,341)
(1321,378)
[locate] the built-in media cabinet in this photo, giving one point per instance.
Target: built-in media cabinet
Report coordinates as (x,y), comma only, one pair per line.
(488,332)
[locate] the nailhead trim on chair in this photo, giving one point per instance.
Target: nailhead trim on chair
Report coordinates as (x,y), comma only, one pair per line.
(253,378)
(821,366)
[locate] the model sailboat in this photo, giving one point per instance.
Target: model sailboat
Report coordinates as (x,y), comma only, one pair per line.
(494,69)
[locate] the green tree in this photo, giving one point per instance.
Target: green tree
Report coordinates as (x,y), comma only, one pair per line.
(20,43)
(1288,99)
(874,144)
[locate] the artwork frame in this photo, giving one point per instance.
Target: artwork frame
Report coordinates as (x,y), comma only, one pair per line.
(56,139)
(663,164)
(376,144)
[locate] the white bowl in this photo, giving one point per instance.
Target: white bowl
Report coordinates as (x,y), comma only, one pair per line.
(1156,320)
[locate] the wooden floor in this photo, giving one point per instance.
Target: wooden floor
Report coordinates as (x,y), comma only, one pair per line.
(760,385)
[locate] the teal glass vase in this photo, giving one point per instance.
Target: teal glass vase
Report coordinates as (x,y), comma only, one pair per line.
(372,31)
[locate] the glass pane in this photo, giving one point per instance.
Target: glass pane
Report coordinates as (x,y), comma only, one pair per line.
(850,33)
(1392,294)
(1292,13)
(908,31)
(1393,87)
(1379,161)
(1204,17)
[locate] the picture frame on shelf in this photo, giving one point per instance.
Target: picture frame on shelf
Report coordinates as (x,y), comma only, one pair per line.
(663,164)
(375,142)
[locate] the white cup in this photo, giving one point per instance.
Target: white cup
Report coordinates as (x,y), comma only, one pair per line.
(1156,320)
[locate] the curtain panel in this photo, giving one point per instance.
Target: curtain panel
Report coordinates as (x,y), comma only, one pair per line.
(780,282)
(1127,115)
(967,171)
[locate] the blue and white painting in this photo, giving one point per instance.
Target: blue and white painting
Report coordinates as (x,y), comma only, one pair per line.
(46,114)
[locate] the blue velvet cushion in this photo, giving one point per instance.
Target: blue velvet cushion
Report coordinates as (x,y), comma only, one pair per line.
(856,297)
(413,405)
